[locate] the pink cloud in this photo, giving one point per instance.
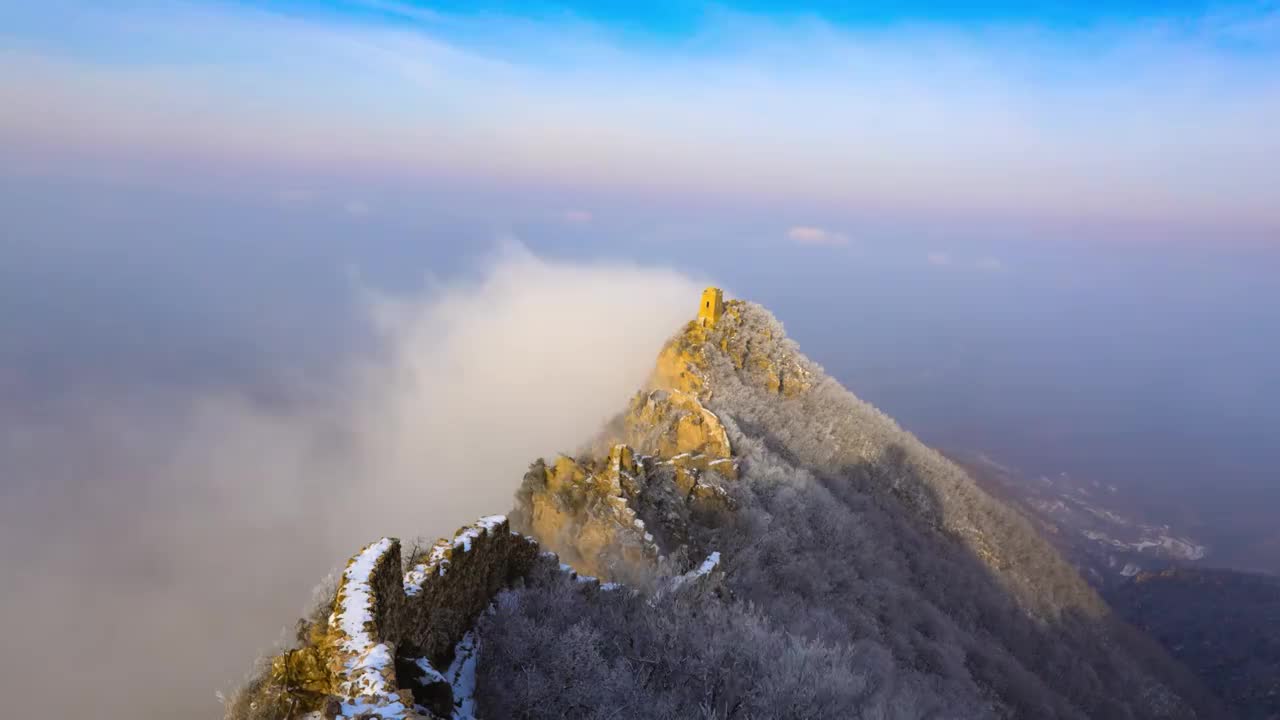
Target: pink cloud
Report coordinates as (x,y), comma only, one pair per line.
(810,235)
(577,217)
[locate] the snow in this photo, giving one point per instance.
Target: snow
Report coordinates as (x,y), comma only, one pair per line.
(365,708)
(1177,547)
(357,597)
(369,663)
(430,675)
(491,522)
(711,563)
(414,579)
(461,675)
(568,570)
(483,527)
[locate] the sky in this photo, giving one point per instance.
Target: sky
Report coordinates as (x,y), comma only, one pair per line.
(259,260)
(1155,118)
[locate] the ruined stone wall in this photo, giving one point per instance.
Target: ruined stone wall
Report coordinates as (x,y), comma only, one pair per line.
(456,580)
(388,633)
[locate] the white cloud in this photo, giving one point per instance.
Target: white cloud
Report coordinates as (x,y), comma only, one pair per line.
(222,511)
(402,9)
(810,235)
(938,258)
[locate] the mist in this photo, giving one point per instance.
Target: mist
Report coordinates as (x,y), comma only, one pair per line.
(158,538)
(252,317)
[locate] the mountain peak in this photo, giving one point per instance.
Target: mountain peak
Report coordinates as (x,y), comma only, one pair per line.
(770,530)
(736,334)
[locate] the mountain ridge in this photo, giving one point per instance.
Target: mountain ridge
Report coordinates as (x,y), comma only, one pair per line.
(909,590)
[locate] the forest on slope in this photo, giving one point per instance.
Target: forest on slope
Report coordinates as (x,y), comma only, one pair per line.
(763,544)
(865,576)
(1223,624)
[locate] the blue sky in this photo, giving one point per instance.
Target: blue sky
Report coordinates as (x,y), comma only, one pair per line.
(678,17)
(1027,113)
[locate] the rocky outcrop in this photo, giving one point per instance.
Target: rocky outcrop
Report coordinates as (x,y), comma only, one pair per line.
(377,653)
(581,509)
(614,517)
(670,423)
(617,508)
(754,352)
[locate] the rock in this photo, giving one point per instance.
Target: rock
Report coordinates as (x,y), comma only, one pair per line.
(755,353)
(580,509)
(671,423)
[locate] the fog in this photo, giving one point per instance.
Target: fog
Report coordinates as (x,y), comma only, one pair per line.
(210,396)
(157,536)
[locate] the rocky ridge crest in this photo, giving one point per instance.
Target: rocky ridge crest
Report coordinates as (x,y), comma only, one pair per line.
(832,521)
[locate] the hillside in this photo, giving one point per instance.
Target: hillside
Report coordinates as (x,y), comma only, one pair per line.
(746,539)
(1092,525)
(1222,624)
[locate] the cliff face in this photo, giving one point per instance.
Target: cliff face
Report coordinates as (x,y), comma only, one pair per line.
(761,532)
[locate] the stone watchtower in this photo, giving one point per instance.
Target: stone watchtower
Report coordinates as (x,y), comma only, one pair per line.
(711,307)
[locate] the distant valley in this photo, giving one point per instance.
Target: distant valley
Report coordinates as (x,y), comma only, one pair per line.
(1095,525)
(1222,624)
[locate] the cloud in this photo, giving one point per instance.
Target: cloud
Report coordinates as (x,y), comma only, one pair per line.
(938,258)
(292,198)
(809,235)
(357,208)
(995,122)
(402,9)
(990,264)
(166,537)
(577,217)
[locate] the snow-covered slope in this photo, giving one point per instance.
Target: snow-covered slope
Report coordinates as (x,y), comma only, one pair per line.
(753,542)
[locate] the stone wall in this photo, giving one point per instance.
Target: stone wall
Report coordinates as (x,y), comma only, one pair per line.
(455,581)
(377,655)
